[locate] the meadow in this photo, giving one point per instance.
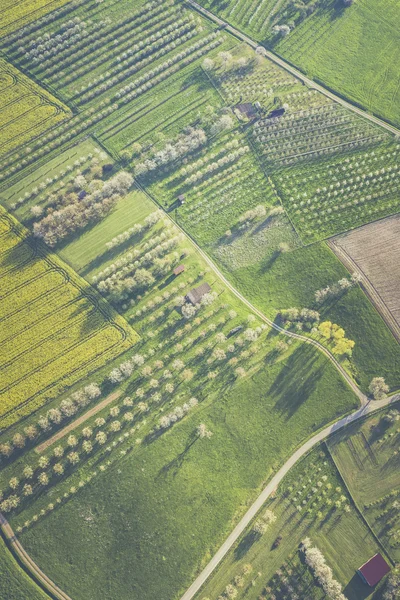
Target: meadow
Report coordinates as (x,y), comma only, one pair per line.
(15,584)
(279,280)
(351,51)
(54,329)
(26,109)
(311,502)
(143,420)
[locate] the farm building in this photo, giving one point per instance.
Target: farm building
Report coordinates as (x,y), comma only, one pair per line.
(196,294)
(247,109)
(374,570)
(181,199)
(178,270)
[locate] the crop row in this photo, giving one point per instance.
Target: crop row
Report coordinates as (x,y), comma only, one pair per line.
(95,58)
(178,35)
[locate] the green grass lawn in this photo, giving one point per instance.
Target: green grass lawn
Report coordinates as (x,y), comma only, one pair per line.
(14,582)
(85,252)
(168,505)
(352,51)
(336,533)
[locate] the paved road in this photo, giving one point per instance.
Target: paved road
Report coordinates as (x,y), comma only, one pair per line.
(28,563)
(295,72)
(370,407)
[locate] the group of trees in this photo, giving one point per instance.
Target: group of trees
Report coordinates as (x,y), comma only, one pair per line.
(49,45)
(215,166)
(53,417)
(378,388)
(141,254)
(263,522)
(164,70)
(177,414)
(86,59)
(336,334)
(316,561)
(50,17)
(392,587)
(77,215)
(187,142)
(304,317)
(138,61)
(227,62)
(136,276)
(34,478)
(332,291)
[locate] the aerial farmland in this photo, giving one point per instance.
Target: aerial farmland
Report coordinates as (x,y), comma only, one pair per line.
(199,300)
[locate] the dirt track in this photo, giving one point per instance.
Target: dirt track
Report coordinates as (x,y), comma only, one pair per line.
(63,432)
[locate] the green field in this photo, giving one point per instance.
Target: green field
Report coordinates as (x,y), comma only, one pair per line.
(352,52)
(15,584)
(177,500)
(277,280)
(54,330)
(261,409)
(305,507)
(144,406)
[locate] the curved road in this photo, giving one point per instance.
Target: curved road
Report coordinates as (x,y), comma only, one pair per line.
(28,563)
(295,72)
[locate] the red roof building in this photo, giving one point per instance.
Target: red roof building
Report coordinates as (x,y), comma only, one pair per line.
(179,270)
(374,570)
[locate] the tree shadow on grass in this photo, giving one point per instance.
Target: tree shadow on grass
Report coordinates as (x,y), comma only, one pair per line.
(356,589)
(269,262)
(175,464)
(245,544)
(296,381)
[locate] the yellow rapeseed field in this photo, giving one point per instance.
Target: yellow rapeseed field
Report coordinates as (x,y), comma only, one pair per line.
(54,328)
(26,110)
(16,14)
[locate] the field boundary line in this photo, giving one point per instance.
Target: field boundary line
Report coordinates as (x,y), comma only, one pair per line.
(63,432)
